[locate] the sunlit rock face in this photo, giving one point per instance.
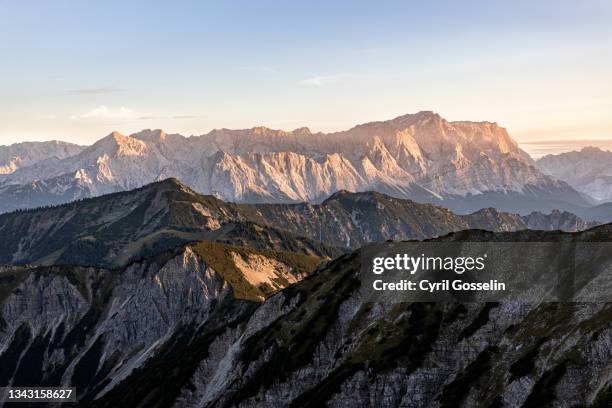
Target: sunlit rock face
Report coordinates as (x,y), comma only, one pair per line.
(420,156)
(25,154)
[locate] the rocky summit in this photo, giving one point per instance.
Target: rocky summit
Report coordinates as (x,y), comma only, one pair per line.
(419,156)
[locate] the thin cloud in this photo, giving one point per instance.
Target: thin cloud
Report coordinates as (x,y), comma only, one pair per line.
(104,112)
(321,81)
(93,91)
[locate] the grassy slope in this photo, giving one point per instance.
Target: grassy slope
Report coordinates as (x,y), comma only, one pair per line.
(219,257)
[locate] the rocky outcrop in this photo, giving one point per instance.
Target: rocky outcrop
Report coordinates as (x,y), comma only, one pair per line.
(171,332)
(92,327)
(419,156)
(557,220)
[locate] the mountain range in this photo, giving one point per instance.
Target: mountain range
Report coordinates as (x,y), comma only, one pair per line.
(114,229)
(588,170)
(423,157)
(223,270)
(25,154)
(189,327)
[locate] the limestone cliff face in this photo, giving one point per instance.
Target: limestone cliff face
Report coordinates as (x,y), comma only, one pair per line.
(82,325)
(419,156)
(176,331)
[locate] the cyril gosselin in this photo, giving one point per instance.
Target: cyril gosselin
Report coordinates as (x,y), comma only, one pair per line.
(410,265)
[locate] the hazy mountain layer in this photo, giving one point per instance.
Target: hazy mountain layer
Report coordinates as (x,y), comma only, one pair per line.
(114,229)
(421,156)
(179,330)
(25,154)
(588,171)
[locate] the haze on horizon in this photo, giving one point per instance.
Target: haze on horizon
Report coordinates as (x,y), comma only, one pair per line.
(76,71)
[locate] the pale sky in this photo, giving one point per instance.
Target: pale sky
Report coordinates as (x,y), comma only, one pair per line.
(76,71)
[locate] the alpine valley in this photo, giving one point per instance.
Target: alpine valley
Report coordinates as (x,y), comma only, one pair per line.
(223,270)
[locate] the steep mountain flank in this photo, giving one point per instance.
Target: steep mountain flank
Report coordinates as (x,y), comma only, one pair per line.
(419,156)
(114,229)
(172,331)
(53,336)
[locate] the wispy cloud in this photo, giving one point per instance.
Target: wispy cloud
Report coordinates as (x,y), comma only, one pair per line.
(320,81)
(104,112)
(93,91)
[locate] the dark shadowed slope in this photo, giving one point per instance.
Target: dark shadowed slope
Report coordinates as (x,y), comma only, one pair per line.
(188,329)
(113,229)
